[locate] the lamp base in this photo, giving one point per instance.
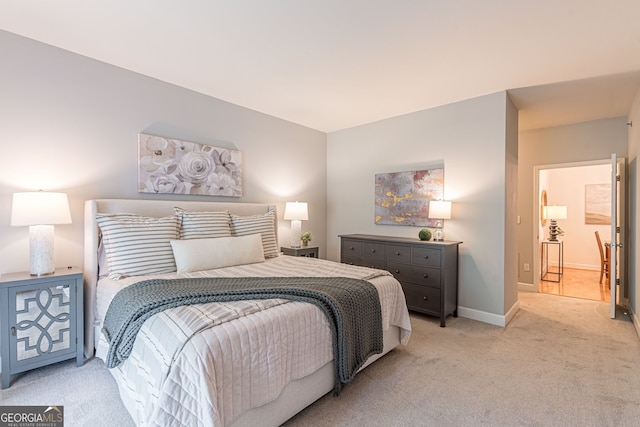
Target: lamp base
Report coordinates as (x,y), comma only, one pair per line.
(438,236)
(296,233)
(554,230)
(41,250)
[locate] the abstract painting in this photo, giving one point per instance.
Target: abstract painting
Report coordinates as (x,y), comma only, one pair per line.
(173,166)
(597,204)
(402,198)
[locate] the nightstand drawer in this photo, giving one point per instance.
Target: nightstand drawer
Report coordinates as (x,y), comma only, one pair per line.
(414,274)
(426,257)
(305,251)
(373,251)
(422,298)
(399,253)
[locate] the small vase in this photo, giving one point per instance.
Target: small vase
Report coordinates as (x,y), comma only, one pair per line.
(305,243)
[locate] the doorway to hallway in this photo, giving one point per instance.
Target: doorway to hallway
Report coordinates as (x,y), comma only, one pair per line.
(569,185)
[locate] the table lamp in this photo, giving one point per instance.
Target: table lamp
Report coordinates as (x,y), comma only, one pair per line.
(40,210)
(553,214)
(296,212)
(439,209)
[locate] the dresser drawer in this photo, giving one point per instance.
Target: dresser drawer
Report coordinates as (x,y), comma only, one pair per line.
(373,251)
(399,253)
(351,260)
(424,276)
(426,257)
(351,248)
(422,298)
(365,262)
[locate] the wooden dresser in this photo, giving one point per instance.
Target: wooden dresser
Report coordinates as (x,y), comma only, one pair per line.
(427,271)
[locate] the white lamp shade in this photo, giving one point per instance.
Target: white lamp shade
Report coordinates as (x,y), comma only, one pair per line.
(439,209)
(554,212)
(296,210)
(40,208)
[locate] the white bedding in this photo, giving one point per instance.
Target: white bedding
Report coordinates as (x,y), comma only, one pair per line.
(225,370)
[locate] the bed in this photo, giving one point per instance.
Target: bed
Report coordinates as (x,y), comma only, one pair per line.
(259,367)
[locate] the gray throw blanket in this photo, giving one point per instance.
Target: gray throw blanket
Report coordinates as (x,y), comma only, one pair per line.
(352,307)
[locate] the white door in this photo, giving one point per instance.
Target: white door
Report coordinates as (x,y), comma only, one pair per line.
(617,267)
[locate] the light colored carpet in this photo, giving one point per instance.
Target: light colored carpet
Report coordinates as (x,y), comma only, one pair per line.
(560,362)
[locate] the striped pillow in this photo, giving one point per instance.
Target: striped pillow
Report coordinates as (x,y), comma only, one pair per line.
(138,245)
(253,224)
(203,225)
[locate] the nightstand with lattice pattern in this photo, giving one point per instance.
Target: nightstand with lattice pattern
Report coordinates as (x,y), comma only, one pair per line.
(41,320)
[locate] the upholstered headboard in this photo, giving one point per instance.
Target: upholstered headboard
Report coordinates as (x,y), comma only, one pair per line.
(151,208)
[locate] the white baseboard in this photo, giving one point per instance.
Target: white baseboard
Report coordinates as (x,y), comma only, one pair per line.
(582,266)
(490,318)
(527,287)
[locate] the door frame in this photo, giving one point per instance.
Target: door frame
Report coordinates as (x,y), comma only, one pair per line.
(536,212)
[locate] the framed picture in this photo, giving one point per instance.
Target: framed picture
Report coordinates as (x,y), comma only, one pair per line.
(173,166)
(597,204)
(402,198)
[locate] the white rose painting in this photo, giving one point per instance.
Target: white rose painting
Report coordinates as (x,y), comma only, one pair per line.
(179,167)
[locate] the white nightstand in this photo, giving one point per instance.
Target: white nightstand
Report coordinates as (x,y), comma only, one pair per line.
(41,320)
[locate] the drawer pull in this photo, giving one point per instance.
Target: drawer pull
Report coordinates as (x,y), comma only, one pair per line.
(425,298)
(13,331)
(426,257)
(373,251)
(397,253)
(397,271)
(425,275)
(351,248)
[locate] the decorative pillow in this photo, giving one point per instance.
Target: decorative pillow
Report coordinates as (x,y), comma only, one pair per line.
(253,224)
(137,245)
(103,263)
(203,225)
(207,254)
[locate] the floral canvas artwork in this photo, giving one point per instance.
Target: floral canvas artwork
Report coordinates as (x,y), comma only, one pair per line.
(402,198)
(173,166)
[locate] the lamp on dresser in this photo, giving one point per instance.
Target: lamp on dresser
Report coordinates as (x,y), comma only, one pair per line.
(40,210)
(439,210)
(296,212)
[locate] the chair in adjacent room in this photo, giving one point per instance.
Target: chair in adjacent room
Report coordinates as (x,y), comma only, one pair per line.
(604,260)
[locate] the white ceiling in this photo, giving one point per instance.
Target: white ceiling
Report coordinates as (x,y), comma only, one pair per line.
(335,64)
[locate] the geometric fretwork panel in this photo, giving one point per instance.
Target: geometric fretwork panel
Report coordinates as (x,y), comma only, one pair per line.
(43,322)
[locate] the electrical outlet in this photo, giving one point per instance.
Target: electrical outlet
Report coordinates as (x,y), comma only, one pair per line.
(527,267)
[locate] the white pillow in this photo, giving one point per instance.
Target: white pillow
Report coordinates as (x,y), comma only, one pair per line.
(207,254)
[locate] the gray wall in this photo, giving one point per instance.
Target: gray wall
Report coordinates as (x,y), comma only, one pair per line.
(472,140)
(70,124)
(580,142)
